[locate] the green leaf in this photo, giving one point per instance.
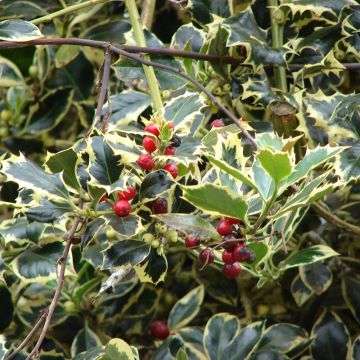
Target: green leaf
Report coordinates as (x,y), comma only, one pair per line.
(203,11)
(243,344)
(18,30)
(277,164)
(186,308)
(207,198)
(65,54)
(235,173)
(64,161)
(92,354)
(317,277)
(6,306)
(125,253)
(154,268)
(38,264)
(186,111)
(351,294)
(30,176)
(92,228)
(85,340)
(23,9)
(271,141)
(117,349)
(300,292)
(264,183)
(188,223)
(127,106)
(154,184)
(10,74)
(331,337)
(220,330)
(283,338)
(307,256)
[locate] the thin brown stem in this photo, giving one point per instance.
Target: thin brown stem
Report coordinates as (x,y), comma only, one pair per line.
(152,51)
(103,90)
(48,314)
(29,336)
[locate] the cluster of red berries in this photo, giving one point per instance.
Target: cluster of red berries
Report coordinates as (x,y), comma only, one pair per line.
(234,251)
(146,161)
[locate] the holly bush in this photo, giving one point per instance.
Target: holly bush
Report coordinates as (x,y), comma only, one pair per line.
(180,185)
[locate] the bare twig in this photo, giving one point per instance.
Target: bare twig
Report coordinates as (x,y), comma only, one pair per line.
(103,90)
(152,51)
(29,336)
(48,313)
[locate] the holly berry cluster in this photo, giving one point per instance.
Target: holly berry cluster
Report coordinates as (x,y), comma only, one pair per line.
(152,143)
(234,251)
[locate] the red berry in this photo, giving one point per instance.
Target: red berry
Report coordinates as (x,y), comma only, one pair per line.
(241,253)
(128,194)
(206,256)
(170,150)
(159,329)
(103,198)
(152,129)
(122,208)
(149,144)
(233,221)
(192,241)
(172,169)
(227,257)
(160,206)
(232,270)
(171,125)
(218,123)
(146,162)
(230,243)
(224,228)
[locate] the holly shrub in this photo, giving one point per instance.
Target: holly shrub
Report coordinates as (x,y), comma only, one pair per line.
(180,185)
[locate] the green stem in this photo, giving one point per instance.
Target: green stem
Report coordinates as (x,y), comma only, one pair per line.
(67,10)
(265,212)
(277,32)
(147,13)
(140,41)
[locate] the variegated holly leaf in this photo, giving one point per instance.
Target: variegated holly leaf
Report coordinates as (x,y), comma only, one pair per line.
(186,308)
(10,74)
(188,37)
(350,290)
(328,65)
(243,30)
(125,253)
(30,176)
(18,30)
(204,11)
(312,159)
(189,223)
(64,161)
(330,327)
(186,111)
(220,330)
(154,184)
(126,107)
(317,277)
(84,340)
(27,11)
(38,264)
(350,22)
(127,226)
(125,147)
(307,256)
(117,349)
(154,268)
(300,292)
(206,198)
